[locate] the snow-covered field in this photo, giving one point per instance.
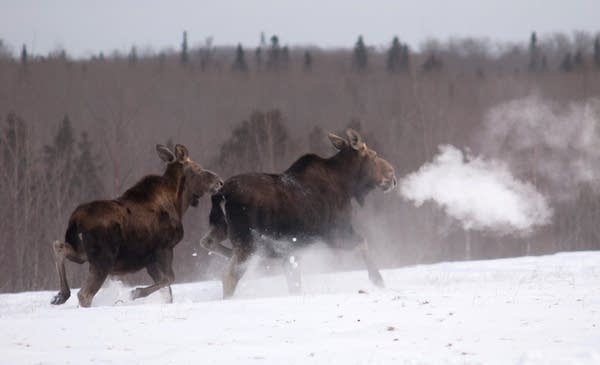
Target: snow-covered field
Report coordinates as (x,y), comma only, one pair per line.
(531,310)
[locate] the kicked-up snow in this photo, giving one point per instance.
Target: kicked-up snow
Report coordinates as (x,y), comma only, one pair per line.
(530,310)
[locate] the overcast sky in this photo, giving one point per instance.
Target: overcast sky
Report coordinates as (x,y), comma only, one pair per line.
(83,27)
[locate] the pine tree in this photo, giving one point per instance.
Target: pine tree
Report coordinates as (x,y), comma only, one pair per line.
(133,56)
(24,57)
(567,63)
(578,62)
(597,52)
(533,53)
(260,143)
(263,40)
(394,56)
(13,146)
(405,58)
(258,60)
(307,61)
(61,149)
(360,55)
(274,57)
(59,159)
(432,63)
(87,177)
(184,49)
(285,58)
(239,64)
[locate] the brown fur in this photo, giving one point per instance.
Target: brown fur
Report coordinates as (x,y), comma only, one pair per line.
(310,201)
(137,230)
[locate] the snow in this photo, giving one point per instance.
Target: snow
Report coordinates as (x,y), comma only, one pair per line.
(529,310)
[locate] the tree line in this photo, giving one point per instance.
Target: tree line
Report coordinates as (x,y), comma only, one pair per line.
(74,130)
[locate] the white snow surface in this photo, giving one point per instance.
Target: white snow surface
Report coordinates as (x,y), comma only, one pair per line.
(529,310)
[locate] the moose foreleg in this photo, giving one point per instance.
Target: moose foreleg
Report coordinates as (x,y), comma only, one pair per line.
(92,284)
(291,269)
(164,261)
(374,274)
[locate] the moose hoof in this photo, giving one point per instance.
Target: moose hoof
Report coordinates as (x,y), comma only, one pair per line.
(85,301)
(136,293)
(60,298)
(377,280)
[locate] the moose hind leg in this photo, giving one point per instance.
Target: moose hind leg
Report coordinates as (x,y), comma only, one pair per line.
(59,259)
(64,251)
(235,270)
(212,241)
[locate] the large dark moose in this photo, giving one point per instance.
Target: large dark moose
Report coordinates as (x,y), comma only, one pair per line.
(275,214)
(135,231)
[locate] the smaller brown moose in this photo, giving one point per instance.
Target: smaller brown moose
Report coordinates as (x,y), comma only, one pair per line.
(137,230)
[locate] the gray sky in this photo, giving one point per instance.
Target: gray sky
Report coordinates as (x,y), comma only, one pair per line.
(83,27)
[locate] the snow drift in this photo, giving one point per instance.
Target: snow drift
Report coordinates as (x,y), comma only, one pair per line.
(528,310)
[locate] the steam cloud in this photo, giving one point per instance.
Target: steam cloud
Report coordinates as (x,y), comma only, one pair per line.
(481,194)
(555,145)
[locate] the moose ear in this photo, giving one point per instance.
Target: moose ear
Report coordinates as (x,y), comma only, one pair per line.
(181,152)
(337,141)
(165,153)
(355,139)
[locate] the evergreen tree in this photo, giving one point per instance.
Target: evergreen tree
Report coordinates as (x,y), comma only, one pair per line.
(59,161)
(239,64)
(4,50)
(260,143)
(72,172)
(285,58)
(567,63)
(263,40)
(307,61)
(274,57)
(24,57)
(597,52)
(206,53)
(87,177)
(258,60)
(578,62)
(359,59)
(394,56)
(534,57)
(184,49)
(63,144)
(405,58)
(133,56)
(432,63)
(13,147)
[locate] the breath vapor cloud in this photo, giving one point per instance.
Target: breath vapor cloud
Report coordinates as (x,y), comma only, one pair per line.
(482,194)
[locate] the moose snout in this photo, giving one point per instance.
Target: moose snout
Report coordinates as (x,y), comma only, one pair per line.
(216,186)
(388,184)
